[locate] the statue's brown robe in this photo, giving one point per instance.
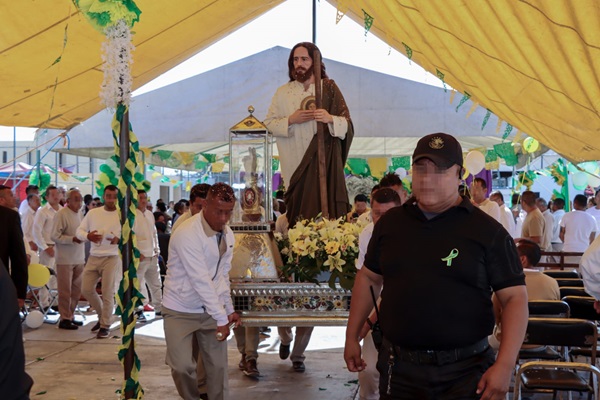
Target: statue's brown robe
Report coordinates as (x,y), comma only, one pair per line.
(302,198)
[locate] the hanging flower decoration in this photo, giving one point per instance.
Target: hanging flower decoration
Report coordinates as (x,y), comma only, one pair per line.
(114,19)
(321,245)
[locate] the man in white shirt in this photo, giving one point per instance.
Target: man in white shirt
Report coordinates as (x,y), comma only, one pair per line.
(27,218)
(595,211)
(197,302)
(382,200)
(506,216)
(577,228)
(558,212)
(479,198)
(147,243)
(590,271)
(549,221)
(31,189)
(197,199)
(70,259)
(102,227)
(42,231)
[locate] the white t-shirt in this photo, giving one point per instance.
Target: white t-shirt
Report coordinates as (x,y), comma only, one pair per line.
(595,212)
(558,214)
(507,220)
(107,224)
(578,225)
(590,269)
(549,227)
(491,208)
(363,244)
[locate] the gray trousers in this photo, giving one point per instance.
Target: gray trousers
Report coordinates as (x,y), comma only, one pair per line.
(181,329)
(247,339)
(300,344)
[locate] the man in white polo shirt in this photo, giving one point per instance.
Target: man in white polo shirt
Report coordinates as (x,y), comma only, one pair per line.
(147,243)
(102,227)
(197,302)
(577,228)
(41,232)
(479,196)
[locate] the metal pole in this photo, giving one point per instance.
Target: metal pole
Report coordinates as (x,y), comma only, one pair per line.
(314,22)
(127,252)
(14,158)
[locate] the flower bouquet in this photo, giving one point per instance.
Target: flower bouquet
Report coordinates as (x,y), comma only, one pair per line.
(320,245)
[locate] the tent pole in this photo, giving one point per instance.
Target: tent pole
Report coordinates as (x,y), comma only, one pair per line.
(320,136)
(314,22)
(127,251)
(14,159)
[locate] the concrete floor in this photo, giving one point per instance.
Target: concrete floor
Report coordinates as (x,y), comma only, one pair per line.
(73,365)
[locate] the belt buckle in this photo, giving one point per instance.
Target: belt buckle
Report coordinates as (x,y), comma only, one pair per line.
(446,357)
(427,357)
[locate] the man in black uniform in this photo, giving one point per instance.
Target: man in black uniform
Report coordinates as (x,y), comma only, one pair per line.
(436,308)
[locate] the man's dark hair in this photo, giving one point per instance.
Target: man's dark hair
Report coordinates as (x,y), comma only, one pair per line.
(386,195)
(160,227)
(31,196)
(559,202)
(311,47)
(161,206)
(279,194)
(200,190)
(514,199)
(31,188)
(541,202)
(221,191)
(375,188)
(361,197)
(390,179)
(580,200)
(497,193)
(179,207)
(112,188)
(140,191)
(157,215)
(87,199)
(528,197)
(530,250)
(481,181)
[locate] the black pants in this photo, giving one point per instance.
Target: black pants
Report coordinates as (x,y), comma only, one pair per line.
(454,381)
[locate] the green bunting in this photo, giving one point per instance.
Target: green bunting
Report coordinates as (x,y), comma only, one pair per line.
(408,50)
(368,22)
(507,131)
(464,99)
(506,152)
(211,158)
(275,164)
(488,113)
(358,166)
(400,162)
(441,76)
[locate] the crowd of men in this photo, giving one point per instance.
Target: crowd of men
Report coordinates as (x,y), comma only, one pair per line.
(473,256)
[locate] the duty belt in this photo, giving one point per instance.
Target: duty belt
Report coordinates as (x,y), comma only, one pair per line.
(437,357)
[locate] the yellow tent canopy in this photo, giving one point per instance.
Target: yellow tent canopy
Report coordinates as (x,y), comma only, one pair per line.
(37,91)
(533,63)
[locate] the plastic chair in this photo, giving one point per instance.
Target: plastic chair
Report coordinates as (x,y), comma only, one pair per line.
(572,291)
(555,376)
(39,276)
(558,274)
(569,282)
(545,309)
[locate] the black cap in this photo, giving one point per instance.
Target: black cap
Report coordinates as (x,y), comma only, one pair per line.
(441,148)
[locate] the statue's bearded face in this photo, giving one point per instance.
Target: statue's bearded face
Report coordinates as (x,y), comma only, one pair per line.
(303,65)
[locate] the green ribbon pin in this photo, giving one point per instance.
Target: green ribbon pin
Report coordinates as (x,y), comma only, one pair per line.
(453,254)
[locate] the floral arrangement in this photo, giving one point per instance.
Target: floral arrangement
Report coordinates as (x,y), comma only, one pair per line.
(321,245)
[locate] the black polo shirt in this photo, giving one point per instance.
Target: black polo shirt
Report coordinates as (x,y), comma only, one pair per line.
(439,274)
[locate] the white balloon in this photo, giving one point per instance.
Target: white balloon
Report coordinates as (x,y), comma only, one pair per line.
(401,172)
(474,162)
(593,181)
(579,180)
(34,319)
